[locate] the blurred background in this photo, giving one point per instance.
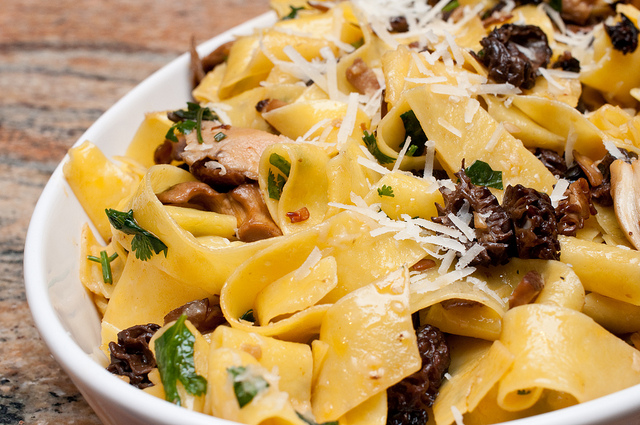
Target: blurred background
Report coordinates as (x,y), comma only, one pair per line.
(62,64)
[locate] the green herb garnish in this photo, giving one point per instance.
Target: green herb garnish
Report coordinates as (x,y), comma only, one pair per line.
(275,184)
(144,243)
(358,44)
(280,163)
(293,14)
(174,355)
(372,146)
(310,422)
(451,6)
(481,174)
(220,136)
(413,129)
(248,316)
(191,118)
(246,386)
(556,5)
(105,261)
(411,151)
(386,191)
(524,392)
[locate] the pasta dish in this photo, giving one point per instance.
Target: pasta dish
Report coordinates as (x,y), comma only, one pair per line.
(381,212)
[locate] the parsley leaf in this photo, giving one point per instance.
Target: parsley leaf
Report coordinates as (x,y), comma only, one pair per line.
(556,5)
(105,262)
(188,120)
(144,242)
(386,191)
(280,163)
(293,14)
(524,392)
(174,355)
(451,6)
(358,43)
(275,184)
(310,422)
(413,129)
(372,146)
(481,174)
(248,316)
(220,136)
(246,386)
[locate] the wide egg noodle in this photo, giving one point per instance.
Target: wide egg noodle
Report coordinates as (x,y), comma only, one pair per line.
(346,237)
(375,351)
(618,317)
(153,296)
(518,165)
(306,185)
(613,73)
(187,260)
(293,361)
(91,274)
(270,405)
(551,346)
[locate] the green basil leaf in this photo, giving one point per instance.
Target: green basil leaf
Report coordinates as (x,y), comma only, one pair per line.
(310,422)
(174,356)
(246,386)
(372,145)
(275,184)
(280,163)
(413,129)
(481,174)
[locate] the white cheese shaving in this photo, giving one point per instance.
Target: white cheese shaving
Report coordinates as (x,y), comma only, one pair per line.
(445,265)
(457,416)
(468,232)
(455,49)
(303,271)
(555,16)
(423,285)
(552,81)
(372,165)
(430,152)
(497,133)
(449,127)
(470,110)
(306,68)
(558,192)
(613,149)
(313,129)
(492,88)
(426,80)
(332,75)
(349,121)
(401,154)
(450,90)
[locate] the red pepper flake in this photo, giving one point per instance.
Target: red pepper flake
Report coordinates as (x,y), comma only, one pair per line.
(297,216)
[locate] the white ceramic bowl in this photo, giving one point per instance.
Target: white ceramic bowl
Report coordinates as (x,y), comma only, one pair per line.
(68,321)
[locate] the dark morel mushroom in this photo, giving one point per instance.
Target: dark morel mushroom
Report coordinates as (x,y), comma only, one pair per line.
(623,35)
(408,400)
(131,355)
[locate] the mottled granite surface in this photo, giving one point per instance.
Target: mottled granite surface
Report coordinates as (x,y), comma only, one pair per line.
(62,64)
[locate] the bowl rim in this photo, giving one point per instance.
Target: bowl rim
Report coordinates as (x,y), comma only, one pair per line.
(90,377)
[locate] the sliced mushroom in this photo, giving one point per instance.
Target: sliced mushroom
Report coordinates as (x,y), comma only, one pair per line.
(589,167)
(625,190)
(527,290)
(235,153)
(362,77)
(244,202)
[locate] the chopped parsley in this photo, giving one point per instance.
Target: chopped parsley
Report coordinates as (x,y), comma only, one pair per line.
(524,392)
(144,243)
(372,146)
(310,422)
(556,5)
(451,6)
(105,261)
(293,14)
(174,355)
(280,163)
(358,43)
(219,136)
(275,185)
(190,119)
(413,129)
(481,174)
(248,316)
(245,385)
(386,191)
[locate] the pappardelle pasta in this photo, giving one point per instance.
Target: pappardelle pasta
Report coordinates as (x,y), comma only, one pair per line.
(381,212)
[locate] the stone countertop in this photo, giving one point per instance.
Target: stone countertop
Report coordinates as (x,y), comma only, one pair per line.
(62,64)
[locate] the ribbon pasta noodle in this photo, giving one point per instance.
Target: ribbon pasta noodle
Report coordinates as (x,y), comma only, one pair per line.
(365,193)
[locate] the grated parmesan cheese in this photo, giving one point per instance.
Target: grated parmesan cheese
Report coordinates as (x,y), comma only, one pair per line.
(457,416)
(613,149)
(303,271)
(349,121)
(572,138)
(558,192)
(449,127)
(497,133)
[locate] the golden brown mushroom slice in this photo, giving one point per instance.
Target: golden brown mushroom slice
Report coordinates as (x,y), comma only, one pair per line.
(229,156)
(625,191)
